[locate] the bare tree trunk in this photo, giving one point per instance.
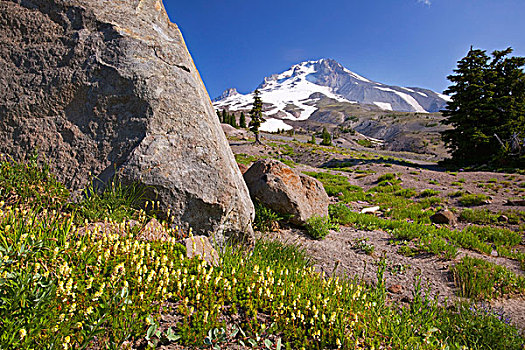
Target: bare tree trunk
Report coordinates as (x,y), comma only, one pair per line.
(257,139)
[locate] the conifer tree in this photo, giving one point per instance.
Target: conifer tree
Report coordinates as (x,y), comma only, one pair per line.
(256,116)
(488,99)
(312,140)
(242,120)
(224,117)
(219,115)
(327,139)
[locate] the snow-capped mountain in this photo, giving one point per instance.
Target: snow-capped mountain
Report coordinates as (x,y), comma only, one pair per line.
(294,94)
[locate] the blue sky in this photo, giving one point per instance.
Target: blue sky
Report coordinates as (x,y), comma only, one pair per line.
(236,43)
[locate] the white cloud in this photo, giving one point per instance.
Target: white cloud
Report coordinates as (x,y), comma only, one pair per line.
(426,2)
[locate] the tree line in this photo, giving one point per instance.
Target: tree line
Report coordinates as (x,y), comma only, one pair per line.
(231,119)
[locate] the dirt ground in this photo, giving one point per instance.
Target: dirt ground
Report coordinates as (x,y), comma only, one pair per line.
(335,254)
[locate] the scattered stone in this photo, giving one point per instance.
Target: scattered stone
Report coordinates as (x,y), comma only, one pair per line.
(232,132)
(516,202)
(101,87)
(503,218)
(286,191)
(201,246)
(395,289)
(370,210)
(406,299)
(153,231)
(494,252)
(444,216)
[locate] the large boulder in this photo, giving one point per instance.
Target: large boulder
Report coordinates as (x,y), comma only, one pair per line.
(444,216)
(102,87)
(286,191)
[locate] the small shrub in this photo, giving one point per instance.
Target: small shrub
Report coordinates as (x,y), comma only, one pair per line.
(362,245)
(428,193)
(406,193)
(468,200)
(365,143)
(387,177)
(265,218)
(456,194)
(319,227)
(428,202)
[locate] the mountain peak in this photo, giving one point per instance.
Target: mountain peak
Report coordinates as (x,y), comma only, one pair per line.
(226,93)
(294,93)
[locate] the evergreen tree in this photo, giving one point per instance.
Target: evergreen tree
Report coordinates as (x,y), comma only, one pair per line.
(312,140)
(327,139)
(256,116)
(233,121)
(488,99)
(219,115)
(242,120)
(224,117)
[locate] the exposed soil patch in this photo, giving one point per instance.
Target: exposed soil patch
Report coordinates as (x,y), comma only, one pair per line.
(334,254)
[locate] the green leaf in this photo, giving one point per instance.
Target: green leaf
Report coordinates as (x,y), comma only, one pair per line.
(171,335)
(124,292)
(151,331)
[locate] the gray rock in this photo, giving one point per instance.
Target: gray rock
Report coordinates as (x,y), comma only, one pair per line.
(201,246)
(286,191)
(516,202)
(98,87)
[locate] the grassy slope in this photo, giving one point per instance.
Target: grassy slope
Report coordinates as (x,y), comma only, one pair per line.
(62,286)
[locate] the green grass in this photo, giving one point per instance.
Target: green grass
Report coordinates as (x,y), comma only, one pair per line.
(397,201)
(480,279)
(245,159)
(29,185)
(429,193)
(338,185)
(485,216)
(387,177)
(319,227)
(116,201)
(436,240)
(468,200)
(265,218)
(365,143)
(64,286)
